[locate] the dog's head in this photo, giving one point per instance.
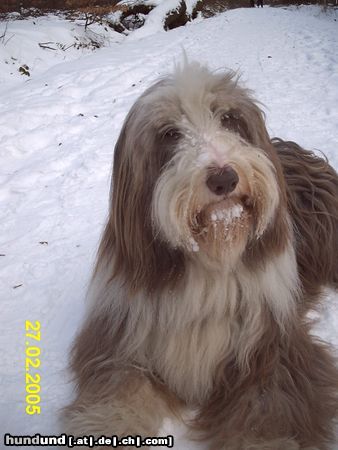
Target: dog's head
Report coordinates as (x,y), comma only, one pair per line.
(195,176)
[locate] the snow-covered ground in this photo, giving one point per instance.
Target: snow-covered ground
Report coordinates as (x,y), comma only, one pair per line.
(42,42)
(57,134)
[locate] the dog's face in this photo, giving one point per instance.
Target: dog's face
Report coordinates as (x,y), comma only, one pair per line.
(194,167)
(217,187)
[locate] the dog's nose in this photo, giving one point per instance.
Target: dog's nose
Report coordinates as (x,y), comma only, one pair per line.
(223,181)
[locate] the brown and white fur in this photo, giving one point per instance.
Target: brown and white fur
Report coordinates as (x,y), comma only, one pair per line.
(218,243)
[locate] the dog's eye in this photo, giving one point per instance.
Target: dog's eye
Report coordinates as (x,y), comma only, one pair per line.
(232,121)
(172,134)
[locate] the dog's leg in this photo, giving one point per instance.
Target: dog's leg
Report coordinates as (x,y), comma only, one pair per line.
(114,395)
(129,404)
(286,399)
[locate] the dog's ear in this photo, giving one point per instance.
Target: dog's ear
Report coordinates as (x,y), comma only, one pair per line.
(277,235)
(254,117)
(312,195)
(129,244)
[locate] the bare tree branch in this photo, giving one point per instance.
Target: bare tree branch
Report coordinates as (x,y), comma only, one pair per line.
(44,45)
(3,35)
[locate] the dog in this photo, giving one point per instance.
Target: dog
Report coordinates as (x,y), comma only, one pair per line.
(218,244)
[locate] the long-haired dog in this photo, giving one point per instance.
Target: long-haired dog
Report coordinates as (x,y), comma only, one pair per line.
(218,243)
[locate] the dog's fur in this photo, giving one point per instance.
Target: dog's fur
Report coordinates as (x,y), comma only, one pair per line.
(200,300)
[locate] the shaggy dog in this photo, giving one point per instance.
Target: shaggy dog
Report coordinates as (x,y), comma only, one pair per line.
(217,245)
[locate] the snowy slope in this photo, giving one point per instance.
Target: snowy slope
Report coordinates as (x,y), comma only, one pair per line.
(42,42)
(57,134)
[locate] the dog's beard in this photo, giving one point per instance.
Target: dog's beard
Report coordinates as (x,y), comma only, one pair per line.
(188,216)
(221,226)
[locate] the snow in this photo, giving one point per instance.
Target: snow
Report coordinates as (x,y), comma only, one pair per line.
(194,245)
(61,40)
(227,215)
(154,22)
(155,19)
(57,134)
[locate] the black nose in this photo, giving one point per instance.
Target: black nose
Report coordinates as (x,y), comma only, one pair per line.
(223,181)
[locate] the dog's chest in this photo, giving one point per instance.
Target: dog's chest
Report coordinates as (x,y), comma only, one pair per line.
(193,335)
